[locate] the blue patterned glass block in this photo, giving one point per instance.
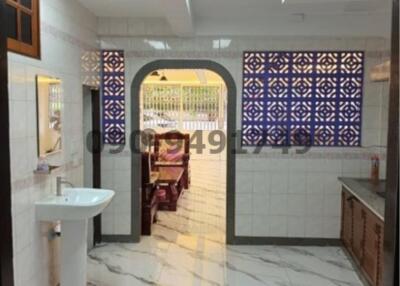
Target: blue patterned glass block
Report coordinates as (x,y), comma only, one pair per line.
(302,98)
(113,90)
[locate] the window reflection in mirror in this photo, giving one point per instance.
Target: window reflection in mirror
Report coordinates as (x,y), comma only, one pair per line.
(49,106)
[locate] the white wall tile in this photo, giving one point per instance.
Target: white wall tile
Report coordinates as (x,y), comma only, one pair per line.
(17,81)
(351,168)
(314,227)
(279,182)
(122,202)
(244,204)
(278,204)
(107,224)
(244,182)
(332,205)
(261,225)
(123,163)
(260,165)
(296,226)
(261,204)
(331,227)
(122,223)
(296,205)
(314,204)
(297,183)
(298,166)
(315,183)
(315,165)
(261,182)
(19,164)
(122,180)
(18,119)
(243,225)
(278,226)
(107,179)
(331,184)
(243,164)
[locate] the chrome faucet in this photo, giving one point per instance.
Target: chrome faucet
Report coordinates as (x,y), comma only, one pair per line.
(62,181)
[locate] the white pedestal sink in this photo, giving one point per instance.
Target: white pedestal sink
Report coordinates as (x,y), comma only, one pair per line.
(73,209)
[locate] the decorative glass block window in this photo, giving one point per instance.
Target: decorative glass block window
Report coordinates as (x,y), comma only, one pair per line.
(302,98)
(113,88)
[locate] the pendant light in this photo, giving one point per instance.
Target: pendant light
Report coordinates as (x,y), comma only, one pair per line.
(163,78)
(155,73)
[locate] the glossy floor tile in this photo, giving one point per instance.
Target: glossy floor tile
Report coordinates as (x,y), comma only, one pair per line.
(188,248)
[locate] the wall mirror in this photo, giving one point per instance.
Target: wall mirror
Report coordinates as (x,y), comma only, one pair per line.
(49,107)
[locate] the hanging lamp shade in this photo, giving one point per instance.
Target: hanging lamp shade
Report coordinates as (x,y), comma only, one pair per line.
(155,73)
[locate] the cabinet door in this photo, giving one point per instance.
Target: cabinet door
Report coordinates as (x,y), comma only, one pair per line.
(359,217)
(373,241)
(347,215)
(380,258)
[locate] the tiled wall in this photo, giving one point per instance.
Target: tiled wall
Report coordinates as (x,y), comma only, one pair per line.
(294,195)
(116,175)
(287,195)
(67,30)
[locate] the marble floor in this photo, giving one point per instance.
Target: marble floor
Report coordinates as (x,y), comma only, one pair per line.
(187,248)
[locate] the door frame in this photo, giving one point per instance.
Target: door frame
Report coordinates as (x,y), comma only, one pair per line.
(94,145)
(96,158)
(391,236)
(6,239)
(135,140)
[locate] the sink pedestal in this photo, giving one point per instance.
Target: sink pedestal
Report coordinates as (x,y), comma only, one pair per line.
(73,209)
(73,253)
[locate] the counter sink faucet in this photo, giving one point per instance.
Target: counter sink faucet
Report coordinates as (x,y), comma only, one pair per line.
(61,181)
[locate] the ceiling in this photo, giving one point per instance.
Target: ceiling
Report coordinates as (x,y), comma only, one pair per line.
(186,76)
(125,8)
(189,17)
(231,9)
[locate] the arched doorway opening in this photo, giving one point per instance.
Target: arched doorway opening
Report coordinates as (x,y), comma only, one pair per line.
(230,136)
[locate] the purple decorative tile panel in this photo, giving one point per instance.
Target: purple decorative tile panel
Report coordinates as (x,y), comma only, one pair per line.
(302,98)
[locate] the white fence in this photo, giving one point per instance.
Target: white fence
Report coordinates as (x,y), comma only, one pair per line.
(183,107)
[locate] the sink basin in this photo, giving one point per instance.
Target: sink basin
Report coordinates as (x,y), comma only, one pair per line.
(75,204)
(73,209)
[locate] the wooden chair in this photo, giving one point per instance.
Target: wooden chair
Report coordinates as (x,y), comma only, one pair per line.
(172,149)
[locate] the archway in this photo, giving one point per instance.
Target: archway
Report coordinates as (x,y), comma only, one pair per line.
(230,140)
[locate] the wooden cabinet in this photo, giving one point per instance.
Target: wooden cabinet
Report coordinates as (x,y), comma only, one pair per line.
(347,223)
(362,235)
(373,249)
(359,222)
